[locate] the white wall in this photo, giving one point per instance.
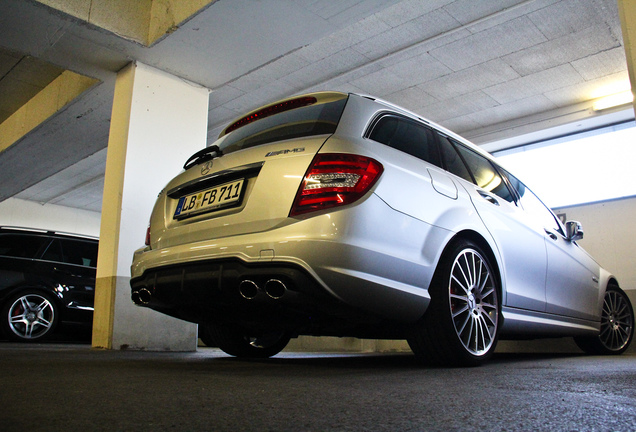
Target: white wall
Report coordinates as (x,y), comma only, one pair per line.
(29,214)
(610,233)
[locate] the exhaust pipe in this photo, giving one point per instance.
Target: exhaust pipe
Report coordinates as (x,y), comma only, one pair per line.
(141,297)
(248,289)
(144,296)
(135,297)
(275,288)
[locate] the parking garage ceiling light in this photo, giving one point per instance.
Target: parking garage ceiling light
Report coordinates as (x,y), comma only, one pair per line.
(613,100)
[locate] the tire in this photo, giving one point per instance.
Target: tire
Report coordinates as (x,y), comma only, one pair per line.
(206,337)
(617,325)
(29,316)
(461,324)
(239,343)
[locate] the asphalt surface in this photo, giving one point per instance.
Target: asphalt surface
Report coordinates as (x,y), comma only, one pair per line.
(56,387)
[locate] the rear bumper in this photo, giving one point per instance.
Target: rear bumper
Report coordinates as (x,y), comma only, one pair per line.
(346,267)
(212,292)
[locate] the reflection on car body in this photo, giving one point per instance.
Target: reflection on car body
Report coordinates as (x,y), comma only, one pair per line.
(385,225)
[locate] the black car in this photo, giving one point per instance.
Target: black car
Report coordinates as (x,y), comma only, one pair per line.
(46,279)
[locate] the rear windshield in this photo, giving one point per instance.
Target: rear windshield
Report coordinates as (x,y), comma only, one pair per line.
(300,122)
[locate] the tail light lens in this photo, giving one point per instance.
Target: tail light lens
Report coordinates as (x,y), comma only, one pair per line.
(148,236)
(335,179)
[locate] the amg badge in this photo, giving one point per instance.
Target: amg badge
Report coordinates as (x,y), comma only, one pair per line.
(280,152)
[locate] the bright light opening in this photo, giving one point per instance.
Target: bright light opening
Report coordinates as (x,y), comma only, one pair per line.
(588,167)
(614,100)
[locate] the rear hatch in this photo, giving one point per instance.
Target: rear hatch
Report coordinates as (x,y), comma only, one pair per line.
(247,181)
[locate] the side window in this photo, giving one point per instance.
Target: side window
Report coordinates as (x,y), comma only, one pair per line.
(408,136)
(453,162)
(53,252)
(80,252)
(21,246)
(533,205)
(485,174)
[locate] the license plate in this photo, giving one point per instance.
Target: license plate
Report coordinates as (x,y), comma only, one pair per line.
(211,199)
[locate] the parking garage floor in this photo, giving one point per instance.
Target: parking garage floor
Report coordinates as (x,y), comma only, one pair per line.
(75,388)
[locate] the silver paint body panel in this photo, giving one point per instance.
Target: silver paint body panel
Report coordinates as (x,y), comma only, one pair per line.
(380,253)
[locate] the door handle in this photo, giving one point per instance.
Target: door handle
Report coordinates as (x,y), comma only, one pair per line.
(491,199)
(550,234)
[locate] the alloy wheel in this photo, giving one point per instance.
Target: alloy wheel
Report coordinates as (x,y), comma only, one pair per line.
(31,316)
(617,321)
(473,302)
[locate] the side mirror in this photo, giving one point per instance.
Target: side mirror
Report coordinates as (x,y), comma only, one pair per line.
(573,230)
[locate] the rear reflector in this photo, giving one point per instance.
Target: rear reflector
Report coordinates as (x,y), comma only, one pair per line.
(333,180)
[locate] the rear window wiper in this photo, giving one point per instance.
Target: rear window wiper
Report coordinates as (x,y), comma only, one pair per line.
(203,155)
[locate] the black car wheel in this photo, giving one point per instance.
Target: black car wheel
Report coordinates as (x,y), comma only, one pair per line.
(460,327)
(239,343)
(617,325)
(29,316)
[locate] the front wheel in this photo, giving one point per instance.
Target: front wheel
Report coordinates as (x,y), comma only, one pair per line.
(617,325)
(460,327)
(239,343)
(29,316)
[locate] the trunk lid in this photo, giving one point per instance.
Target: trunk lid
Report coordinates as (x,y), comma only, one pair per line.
(263,183)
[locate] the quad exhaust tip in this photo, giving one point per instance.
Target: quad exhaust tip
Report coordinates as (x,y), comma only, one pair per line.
(141,297)
(248,289)
(274,289)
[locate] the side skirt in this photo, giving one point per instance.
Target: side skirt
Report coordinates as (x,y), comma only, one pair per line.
(519,323)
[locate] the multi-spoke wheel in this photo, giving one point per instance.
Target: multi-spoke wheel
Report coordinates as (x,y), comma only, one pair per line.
(29,316)
(239,343)
(461,324)
(617,325)
(473,302)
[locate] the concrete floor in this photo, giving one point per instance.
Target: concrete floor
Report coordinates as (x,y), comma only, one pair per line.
(74,388)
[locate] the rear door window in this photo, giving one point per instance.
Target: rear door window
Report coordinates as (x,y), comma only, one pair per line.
(80,252)
(453,162)
(53,252)
(485,173)
(21,246)
(76,252)
(407,136)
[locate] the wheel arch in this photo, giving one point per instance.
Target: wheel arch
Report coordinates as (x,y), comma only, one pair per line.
(486,247)
(9,293)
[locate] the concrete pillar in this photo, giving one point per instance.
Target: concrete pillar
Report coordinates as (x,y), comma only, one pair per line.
(158,121)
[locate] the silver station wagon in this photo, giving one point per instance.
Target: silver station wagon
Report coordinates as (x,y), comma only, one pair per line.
(333,214)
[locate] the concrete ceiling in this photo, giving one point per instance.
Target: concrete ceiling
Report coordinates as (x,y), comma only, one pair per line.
(488,69)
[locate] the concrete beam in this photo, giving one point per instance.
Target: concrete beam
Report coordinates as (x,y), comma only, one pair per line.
(627,14)
(143,21)
(52,99)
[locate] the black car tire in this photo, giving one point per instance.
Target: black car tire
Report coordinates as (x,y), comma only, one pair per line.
(206,337)
(460,326)
(617,325)
(239,343)
(29,316)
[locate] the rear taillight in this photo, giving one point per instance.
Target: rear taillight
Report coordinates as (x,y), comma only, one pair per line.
(335,179)
(148,236)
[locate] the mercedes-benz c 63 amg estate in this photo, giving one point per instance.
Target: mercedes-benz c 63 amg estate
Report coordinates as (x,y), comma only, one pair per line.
(343,215)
